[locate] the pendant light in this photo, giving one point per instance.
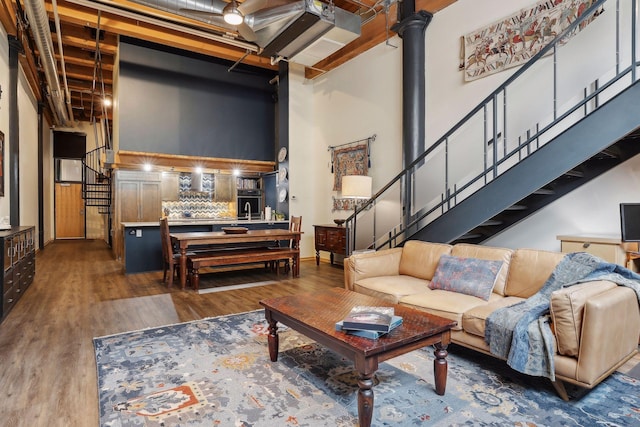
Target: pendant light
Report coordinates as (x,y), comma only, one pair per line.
(231,14)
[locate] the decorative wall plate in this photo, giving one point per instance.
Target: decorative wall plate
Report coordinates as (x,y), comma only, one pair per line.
(282,195)
(282,154)
(282,173)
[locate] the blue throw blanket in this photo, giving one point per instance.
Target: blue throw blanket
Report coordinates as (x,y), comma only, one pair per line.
(521,333)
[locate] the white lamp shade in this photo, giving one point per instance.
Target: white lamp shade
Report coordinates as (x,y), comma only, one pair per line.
(356,186)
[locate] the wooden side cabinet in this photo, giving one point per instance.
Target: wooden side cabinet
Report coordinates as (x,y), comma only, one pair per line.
(19,261)
(609,248)
(330,238)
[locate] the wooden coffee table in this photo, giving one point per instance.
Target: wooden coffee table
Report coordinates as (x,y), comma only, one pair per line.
(315,315)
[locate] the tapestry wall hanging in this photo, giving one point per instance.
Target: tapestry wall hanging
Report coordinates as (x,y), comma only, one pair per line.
(349,161)
(346,204)
(513,40)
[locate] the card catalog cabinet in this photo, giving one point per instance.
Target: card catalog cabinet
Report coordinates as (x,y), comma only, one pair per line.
(330,238)
(19,260)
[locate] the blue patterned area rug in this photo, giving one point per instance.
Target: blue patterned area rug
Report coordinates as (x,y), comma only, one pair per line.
(217,372)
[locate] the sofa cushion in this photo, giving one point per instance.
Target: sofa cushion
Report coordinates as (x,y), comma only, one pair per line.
(529,270)
(450,305)
(391,288)
(467,250)
(567,307)
(474,320)
(420,259)
(469,276)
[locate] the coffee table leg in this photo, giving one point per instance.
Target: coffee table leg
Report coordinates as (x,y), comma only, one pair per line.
(272,337)
(365,399)
(440,368)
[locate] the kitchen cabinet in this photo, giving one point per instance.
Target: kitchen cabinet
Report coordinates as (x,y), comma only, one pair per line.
(137,198)
(19,261)
(225,188)
(331,238)
(170,186)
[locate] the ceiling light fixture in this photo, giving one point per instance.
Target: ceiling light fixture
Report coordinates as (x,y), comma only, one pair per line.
(231,14)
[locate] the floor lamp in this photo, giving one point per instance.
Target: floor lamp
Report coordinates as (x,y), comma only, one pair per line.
(356,187)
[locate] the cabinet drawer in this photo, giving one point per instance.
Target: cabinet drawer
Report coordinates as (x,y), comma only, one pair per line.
(608,252)
(7,283)
(8,301)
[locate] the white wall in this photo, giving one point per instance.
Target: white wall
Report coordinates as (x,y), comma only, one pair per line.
(28,137)
(363,97)
(355,101)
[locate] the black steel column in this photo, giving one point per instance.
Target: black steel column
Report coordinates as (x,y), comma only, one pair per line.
(411,28)
(15,48)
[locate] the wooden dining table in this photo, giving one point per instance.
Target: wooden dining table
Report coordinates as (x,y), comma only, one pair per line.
(220,239)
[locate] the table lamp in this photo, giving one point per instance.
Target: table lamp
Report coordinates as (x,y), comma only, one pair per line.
(356,187)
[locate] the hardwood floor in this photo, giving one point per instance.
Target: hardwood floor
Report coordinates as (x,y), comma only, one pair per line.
(48,371)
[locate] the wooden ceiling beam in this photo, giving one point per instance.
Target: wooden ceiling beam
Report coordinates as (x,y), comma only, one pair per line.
(86,73)
(87,33)
(372,34)
(88,44)
(84,57)
(86,86)
(8,17)
(156,34)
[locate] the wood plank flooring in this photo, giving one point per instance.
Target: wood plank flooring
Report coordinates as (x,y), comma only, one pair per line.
(47,365)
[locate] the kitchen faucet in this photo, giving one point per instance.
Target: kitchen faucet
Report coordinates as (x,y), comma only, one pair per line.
(247,207)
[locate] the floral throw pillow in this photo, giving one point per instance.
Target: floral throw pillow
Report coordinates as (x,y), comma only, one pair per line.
(470,276)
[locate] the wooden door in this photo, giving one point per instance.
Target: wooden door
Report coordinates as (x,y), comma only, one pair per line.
(69,207)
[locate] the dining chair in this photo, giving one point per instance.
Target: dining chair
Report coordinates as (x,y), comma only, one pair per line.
(170,258)
(295,224)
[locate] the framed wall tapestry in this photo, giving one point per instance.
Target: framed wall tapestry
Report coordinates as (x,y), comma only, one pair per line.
(514,39)
(349,161)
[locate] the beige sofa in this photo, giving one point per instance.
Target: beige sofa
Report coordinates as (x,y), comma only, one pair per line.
(596,324)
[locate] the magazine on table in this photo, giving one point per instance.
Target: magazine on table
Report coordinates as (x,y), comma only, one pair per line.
(369,318)
(395,322)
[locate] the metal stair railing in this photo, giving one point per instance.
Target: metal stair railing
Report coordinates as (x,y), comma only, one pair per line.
(496,135)
(96,181)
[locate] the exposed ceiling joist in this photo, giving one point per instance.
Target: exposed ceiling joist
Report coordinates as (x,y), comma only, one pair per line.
(79,23)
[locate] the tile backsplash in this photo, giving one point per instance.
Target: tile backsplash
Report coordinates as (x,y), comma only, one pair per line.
(197,204)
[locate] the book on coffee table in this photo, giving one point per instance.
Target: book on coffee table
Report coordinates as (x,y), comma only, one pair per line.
(369,318)
(395,322)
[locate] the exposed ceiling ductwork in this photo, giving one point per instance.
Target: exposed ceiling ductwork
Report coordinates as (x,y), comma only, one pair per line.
(302,31)
(39,22)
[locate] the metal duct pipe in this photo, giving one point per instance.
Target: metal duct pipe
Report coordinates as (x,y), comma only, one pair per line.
(62,64)
(120,11)
(274,14)
(39,21)
(210,6)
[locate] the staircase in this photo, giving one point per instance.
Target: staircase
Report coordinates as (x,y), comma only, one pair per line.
(491,170)
(96,181)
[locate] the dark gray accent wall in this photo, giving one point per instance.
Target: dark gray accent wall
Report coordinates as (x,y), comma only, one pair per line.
(175,104)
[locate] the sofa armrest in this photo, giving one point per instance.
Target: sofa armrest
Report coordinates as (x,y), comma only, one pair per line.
(385,262)
(610,331)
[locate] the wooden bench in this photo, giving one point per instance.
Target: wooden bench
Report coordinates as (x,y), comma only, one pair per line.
(239,256)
